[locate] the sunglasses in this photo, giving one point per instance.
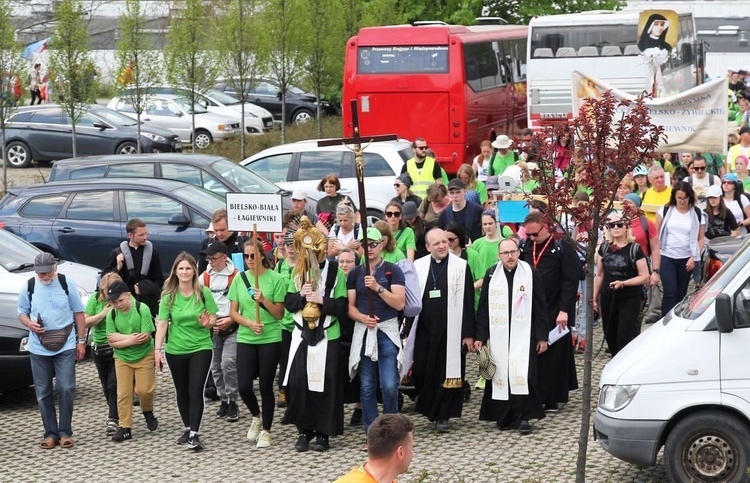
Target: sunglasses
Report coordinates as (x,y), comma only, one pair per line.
(532,235)
(451,239)
(616,224)
(699,168)
(420,147)
(373,244)
(396,185)
(390,214)
(250,256)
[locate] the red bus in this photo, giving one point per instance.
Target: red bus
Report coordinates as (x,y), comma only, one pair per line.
(455,86)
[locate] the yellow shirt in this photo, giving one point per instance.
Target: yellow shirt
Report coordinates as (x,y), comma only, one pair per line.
(651,197)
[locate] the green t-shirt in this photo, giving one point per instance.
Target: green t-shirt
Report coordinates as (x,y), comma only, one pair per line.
(394,257)
(486,252)
(499,163)
(283,269)
(405,239)
(93,307)
(530,185)
(746,184)
(133,322)
(273,287)
(481,190)
(339,291)
(186,334)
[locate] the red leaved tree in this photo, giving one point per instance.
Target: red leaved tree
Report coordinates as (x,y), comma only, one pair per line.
(610,137)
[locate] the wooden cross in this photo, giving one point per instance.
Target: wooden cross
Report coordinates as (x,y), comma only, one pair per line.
(359,164)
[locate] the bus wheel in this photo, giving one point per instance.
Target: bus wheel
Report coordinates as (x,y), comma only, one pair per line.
(708,446)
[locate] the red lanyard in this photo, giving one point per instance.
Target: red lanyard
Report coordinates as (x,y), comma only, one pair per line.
(536,259)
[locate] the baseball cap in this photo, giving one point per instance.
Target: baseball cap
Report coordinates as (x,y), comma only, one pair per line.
(714,191)
(299,195)
(634,198)
(215,247)
(492,183)
(115,290)
(456,184)
(44,263)
(372,234)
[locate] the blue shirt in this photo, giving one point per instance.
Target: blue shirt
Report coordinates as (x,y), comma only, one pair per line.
(379,307)
(56,309)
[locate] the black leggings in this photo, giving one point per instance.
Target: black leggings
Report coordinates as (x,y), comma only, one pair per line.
(105,367)
(286,341)
(189,374)
(35,96)
(260,359)
(621,319)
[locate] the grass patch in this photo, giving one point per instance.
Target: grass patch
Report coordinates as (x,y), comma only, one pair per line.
(230,148)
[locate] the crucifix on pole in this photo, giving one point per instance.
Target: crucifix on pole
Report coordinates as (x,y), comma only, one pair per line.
(359,164)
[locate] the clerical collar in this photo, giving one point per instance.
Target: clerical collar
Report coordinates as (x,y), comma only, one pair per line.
(438,261)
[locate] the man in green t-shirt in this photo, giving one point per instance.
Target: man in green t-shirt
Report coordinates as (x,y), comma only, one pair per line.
(129,328)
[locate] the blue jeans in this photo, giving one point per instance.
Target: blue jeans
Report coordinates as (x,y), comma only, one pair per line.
(62,366)
(674,279)
(387,367)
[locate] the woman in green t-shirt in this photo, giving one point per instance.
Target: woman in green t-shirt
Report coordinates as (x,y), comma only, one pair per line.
(258,338)
(390,252)
(96,312)
(188,311)
(402,234)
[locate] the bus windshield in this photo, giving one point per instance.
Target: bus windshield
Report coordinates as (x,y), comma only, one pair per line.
(403,59)
(577,36)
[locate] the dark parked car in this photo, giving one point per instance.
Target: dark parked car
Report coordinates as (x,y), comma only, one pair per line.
(300,105)
(44,133)
(82,221)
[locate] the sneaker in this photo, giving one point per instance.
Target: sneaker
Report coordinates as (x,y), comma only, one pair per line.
(264,440)
(122,434)
(151,422)
(321,444)
(112,425)
(281,399)
(233,413)
(221,413)
(356,418)
(443,426)
(194,443)
(254,431)
(524,428)
(303,442)
(184,438)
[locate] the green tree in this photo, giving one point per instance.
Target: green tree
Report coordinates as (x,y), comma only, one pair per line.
(189,62)
(283,46)
(71,69)
(12,65)
(326,40)
(237,43)
(139,65)
(516,12)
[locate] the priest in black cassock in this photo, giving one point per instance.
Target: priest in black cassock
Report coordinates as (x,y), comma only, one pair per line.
(560,270)
(439,334)
(511,315)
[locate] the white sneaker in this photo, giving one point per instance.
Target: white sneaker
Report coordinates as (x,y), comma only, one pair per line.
(264,440)
(252,433)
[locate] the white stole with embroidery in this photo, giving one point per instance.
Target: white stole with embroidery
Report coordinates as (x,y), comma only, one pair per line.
(456,276)
(510,339)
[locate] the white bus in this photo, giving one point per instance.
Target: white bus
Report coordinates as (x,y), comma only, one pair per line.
(600,44)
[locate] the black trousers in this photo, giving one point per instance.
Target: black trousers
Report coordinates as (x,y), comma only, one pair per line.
(260,359)
(105,367)
(620,319)
(189,374)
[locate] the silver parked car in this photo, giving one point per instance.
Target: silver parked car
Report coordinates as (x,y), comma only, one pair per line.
(174,113)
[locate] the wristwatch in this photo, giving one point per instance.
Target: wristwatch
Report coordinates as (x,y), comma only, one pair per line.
(656,270)
(381,289)
(81,341)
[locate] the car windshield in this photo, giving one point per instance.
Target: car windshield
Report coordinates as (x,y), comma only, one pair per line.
(219,96)
(16,254)
(184,103)
(243,178)
(693,307)
(113,117)
(205,199)
(296,90)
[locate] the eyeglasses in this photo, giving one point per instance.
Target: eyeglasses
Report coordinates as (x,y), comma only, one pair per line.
(451,239)
(699,168)
(396,185)
(341,262)
(390,214)
(326,186)
(727,182)
(681,198)
(420,147)
(250,256)
(508,253)
(532,235)
(373,244)
(616,224)
(213,259)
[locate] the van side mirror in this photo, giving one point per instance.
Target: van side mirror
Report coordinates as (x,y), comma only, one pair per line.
(724,313)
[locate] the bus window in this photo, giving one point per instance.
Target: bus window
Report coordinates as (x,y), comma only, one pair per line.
(412,59)
(482,70)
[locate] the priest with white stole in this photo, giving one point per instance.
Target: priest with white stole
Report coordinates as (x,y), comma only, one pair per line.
(512,317)
(439,334)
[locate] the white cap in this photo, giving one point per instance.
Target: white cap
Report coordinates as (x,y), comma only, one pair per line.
(299,195)
(714,191)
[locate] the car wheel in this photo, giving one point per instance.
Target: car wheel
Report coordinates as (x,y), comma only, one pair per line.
(708,446)
(203,139)
(128,147)
(373,216)
(302,116)
(18,154)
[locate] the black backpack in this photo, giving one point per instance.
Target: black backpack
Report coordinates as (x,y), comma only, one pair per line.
(31,283)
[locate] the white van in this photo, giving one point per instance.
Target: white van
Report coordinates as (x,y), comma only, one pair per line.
(685,384)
